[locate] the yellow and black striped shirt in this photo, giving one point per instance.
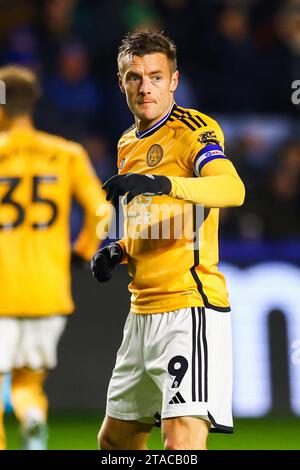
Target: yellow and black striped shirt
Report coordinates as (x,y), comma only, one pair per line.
(173,272)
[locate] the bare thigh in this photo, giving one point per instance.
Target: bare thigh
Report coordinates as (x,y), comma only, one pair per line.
(117,434)
(185,433)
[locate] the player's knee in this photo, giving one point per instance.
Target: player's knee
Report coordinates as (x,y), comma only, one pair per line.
(101,441)
(105,442)
(175,443)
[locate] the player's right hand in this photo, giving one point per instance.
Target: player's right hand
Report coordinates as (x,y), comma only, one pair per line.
(104,261)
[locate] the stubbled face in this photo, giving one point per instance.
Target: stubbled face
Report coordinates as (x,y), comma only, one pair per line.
(149,87)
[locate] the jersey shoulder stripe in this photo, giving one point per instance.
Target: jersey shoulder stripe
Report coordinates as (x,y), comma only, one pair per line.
(189,117)
(196,122)
(194,118)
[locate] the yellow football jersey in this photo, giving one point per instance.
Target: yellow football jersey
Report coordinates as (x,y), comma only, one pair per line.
(170,271)
(39,174)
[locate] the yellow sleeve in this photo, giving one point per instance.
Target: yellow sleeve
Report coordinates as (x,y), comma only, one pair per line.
(88,192)
(219,186)
(196,144)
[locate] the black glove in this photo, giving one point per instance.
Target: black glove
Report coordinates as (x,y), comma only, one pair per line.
(135,184)
(104,261)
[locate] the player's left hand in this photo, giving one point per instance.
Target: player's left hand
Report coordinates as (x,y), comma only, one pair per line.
(104,261)
(135,184)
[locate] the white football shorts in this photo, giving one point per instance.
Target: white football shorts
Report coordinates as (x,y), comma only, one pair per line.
(29,342)
(174,364)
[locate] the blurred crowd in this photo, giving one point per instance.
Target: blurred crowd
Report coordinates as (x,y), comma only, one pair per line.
(237,59)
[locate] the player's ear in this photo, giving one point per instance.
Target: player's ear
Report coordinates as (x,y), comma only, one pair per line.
(121,83)
(174,81)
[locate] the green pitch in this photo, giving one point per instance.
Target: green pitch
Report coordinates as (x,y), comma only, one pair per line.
(78,431)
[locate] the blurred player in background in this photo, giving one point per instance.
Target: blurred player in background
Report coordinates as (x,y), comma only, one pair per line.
(176,356)
(39,175)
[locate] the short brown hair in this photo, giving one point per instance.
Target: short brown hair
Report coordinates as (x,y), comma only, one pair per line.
(22,90)
(140,43)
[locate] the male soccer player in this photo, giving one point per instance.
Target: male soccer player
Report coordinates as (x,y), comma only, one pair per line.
(175,358)
(39,175)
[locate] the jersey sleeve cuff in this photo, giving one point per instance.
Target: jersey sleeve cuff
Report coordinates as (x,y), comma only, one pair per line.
(122,244)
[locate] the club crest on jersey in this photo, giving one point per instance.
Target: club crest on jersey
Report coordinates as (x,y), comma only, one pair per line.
(154,155)
(208,137)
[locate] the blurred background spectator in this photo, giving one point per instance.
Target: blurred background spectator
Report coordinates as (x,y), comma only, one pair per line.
(72,93)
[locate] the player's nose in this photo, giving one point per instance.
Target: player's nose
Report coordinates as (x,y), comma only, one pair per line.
(145,87)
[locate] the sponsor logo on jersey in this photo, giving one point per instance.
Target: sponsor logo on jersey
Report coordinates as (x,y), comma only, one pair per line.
(213,153)
(154,155)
